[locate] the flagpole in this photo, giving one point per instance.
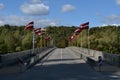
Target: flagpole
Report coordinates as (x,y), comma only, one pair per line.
(33,41)
(41,41)
(88,43)
(30,26)
(44,40)
(81,39)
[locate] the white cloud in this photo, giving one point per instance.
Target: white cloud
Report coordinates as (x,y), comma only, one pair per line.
(113,19)
(35,9)
(35,1)
(67,8)
(1,6)
(118,2)
(1,23)
(21,20)
(47,22)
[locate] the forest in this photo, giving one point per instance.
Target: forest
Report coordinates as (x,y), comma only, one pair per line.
(104,38)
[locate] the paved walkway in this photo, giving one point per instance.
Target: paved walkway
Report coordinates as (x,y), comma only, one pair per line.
(10,70)
(110,71)
(61,64)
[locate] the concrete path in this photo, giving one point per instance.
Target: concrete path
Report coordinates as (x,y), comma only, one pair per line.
(110,71)
(61,64)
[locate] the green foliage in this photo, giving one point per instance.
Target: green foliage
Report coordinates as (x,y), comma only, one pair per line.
(60,35)
(11,38)
(15,38)
(27,41)
(105,38)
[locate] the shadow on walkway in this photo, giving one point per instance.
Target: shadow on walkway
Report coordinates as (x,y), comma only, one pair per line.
(60,71)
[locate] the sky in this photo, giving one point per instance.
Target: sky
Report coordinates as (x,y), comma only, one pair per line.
(59,12)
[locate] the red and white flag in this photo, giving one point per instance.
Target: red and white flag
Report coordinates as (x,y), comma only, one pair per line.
(47,37)
(72,37)
(84,25)
(43,31)
(37,31)
(40,31)
(77,31)
(29,26)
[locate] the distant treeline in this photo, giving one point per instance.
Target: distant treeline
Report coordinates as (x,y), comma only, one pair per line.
(15,38)
(105,38)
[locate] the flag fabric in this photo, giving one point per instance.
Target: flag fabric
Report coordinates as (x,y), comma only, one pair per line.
(43,31)
(29,26)
(72,37)
(47,37)
(84,25)
(77,31)
(37,31)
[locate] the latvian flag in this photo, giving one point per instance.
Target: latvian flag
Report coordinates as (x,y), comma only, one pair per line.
(47,37)
(72,37)
(78,30)
(29,26)
(37,31)
(43,31)
(84,25)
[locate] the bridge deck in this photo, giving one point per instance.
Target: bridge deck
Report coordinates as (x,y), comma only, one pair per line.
(61,64)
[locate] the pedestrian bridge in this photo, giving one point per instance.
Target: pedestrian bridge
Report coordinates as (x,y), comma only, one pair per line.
(71,63)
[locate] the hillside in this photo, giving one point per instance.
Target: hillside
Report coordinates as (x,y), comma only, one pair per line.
(15,38)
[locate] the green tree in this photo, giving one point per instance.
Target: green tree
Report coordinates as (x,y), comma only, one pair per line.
(27,41)
(9,42)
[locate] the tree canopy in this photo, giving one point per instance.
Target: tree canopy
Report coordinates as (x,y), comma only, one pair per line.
(105,38)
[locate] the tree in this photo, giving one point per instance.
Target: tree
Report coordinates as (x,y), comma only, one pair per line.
(10,42)
(27,41)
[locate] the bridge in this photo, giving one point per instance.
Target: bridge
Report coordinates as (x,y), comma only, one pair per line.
(51,63)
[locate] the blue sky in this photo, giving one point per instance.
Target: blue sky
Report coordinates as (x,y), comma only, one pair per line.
(60,12)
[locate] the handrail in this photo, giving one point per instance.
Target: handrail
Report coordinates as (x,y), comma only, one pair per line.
(13,58)
(110,58)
